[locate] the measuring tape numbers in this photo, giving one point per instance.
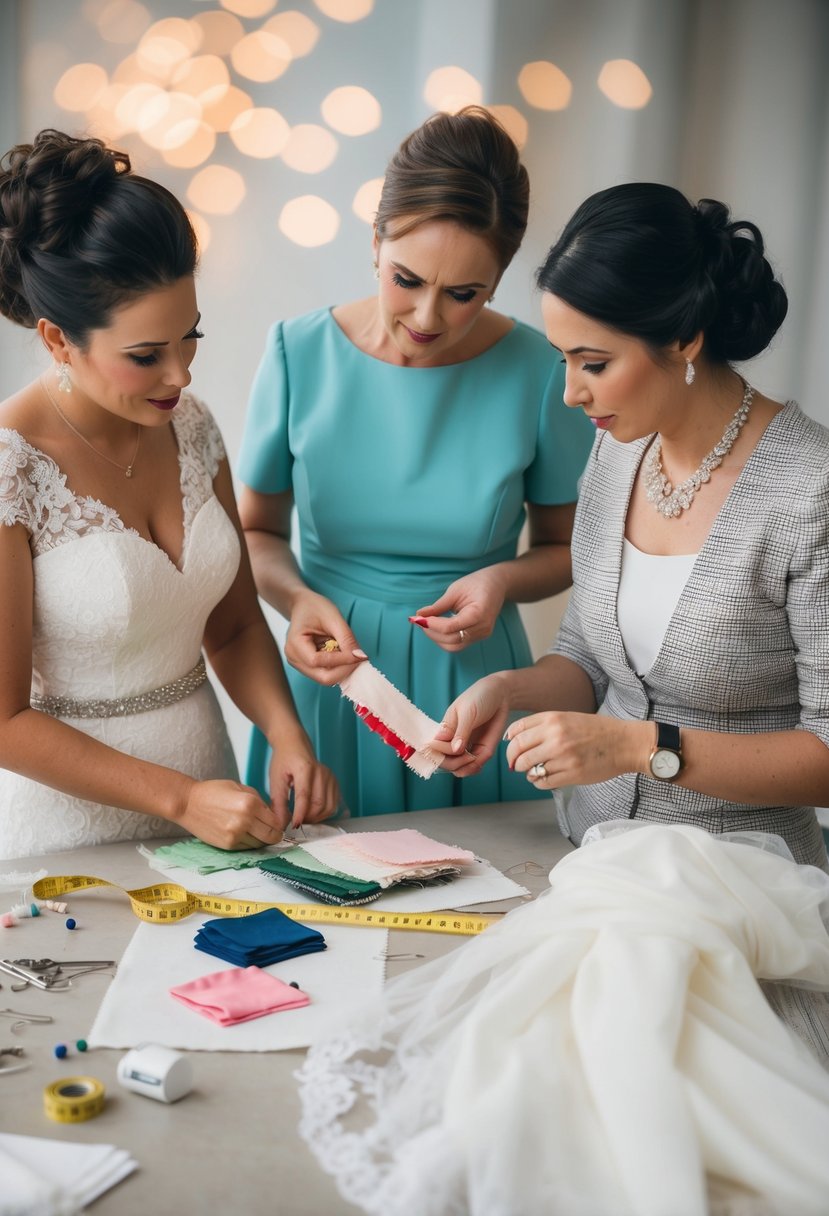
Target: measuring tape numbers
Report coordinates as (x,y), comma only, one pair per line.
(167,902)
(73,1099)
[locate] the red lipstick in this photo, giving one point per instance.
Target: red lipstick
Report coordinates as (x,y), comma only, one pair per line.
(167,403)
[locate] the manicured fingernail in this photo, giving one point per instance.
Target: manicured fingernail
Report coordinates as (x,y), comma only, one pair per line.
(457,744)
(505,737)
(359,654)
(422,621)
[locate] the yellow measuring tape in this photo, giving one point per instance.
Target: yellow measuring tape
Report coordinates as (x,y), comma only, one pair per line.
(73,1099)
(166,902)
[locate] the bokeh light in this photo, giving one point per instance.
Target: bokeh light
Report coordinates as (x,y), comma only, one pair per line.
(80,87)
(201,229)
(545,86)
(132,102)
(122,21)
(625,84)
(217,189)
(513,122)
(260,132)
(205,77)
(249,8)
(451,88)
(309,148)
(345,10)
(309,221)
(221,114)
(196,145)
(261,56)
(169,120)
(166,44)
(297,30)
(352,110)
(367,199)
(219,32)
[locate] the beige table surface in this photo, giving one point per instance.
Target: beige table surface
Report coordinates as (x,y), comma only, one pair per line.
(231,1146)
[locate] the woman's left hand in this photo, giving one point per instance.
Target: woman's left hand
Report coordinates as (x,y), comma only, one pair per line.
(474,603)
(555,749)
(295,769)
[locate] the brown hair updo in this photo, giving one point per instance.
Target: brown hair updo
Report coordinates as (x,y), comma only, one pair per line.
(461,167)
(80,234)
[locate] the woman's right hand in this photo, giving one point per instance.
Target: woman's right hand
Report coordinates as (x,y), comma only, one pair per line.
(229,815)
(473,726)
(314,620)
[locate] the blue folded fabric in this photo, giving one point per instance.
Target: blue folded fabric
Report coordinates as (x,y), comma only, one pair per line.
(257,940)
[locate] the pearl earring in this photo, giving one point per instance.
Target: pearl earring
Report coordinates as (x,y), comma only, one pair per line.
(64,379)
(690,372)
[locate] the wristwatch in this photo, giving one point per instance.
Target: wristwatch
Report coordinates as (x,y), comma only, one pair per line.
(665,761)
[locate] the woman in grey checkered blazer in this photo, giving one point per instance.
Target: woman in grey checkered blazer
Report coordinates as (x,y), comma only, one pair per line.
(690,680)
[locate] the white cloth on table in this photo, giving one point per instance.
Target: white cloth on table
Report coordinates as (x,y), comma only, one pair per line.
(137,1007)
(42,1177)
(604,1051)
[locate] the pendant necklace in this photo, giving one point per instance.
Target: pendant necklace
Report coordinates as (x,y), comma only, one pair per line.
(126,469)
(669,500)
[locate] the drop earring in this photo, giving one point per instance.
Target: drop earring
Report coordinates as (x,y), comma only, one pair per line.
(690,372)
(376,271)
(64,379)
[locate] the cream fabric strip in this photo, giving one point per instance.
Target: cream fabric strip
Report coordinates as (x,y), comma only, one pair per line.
(369,687)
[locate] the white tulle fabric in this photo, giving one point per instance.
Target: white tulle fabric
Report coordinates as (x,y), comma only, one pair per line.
(603,1051)
(114,617)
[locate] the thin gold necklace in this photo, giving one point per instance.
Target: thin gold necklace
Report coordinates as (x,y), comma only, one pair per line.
(125,468)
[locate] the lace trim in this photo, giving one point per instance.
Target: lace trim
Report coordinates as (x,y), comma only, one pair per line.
(33,490)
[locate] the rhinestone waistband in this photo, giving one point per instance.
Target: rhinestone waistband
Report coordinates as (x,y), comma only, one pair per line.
(122,707)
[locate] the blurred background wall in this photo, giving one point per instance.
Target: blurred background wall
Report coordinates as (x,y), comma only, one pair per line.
(273,121)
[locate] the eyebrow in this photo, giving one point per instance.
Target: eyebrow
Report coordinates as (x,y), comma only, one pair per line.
(581,350)
(451,287)
(138,345)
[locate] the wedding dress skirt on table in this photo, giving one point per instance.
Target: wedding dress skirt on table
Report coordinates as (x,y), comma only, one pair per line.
(114,617)
(603,1051)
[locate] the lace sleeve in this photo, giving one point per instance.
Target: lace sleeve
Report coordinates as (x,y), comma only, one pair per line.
(202,435)
(32,490)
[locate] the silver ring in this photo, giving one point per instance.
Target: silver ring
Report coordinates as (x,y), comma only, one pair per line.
(461,634)
(538,770)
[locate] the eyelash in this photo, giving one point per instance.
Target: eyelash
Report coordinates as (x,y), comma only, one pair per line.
(460,297)
(149,360)
(595,369)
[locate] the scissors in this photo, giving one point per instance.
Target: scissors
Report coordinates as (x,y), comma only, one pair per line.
(48,974)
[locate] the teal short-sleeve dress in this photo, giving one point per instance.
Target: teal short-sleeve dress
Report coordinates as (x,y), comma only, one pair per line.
(404,479)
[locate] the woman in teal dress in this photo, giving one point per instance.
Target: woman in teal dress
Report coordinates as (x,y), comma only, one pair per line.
(414,432)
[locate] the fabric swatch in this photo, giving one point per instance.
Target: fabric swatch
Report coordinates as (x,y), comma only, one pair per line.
(260,939)
(239,995)
(327,885)
(404,847)
(191,854)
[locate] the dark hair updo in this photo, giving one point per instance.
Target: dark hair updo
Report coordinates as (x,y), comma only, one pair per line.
(80,234)
(642,259)
(464,168)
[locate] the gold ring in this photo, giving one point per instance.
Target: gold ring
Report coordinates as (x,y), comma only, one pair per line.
(461,634)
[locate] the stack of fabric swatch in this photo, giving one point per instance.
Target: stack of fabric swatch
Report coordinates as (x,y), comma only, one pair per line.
(258,940)
(357,867)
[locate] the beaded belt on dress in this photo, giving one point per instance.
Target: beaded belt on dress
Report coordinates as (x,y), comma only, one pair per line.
(121,707)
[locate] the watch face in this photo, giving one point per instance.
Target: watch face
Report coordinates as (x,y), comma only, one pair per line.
(665,764)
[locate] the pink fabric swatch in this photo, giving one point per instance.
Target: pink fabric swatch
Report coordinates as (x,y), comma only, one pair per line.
(405,847)
(238,995)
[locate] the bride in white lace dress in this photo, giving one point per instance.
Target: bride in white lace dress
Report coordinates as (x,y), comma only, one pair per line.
(121,558)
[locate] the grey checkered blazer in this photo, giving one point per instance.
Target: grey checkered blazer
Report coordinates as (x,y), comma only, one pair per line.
(747,648)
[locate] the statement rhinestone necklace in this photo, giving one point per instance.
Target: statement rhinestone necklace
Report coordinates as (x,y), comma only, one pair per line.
(125,468)
(670,500)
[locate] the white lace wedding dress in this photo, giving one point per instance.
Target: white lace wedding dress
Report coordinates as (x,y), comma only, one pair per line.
(115,618)
(603,1051)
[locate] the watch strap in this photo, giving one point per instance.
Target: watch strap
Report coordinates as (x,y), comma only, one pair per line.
(667,736)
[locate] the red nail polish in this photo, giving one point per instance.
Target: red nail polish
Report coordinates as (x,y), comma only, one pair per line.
(422,621)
